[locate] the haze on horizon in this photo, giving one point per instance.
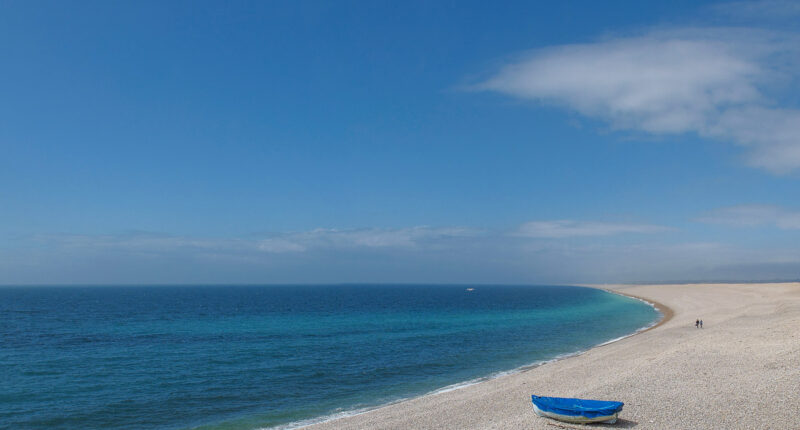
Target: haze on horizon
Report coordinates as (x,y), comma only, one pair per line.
(310,141)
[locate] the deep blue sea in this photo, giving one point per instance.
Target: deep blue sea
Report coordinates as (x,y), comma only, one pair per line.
(248,357)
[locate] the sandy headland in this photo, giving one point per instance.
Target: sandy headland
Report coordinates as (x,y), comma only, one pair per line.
(741,371)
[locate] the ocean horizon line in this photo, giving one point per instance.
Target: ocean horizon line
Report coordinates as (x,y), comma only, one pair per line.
(598,284)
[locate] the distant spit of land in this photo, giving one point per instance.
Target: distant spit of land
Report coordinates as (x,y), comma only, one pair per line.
(740,371)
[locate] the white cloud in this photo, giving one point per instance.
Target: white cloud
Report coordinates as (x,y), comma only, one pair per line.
(535,252)
(137,241)
(713,82)
(755,215)
(773,135)
(290,242)
(566,228)
(279,245)
(361,238)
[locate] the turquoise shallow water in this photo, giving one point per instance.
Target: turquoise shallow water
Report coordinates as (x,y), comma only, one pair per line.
(245,357)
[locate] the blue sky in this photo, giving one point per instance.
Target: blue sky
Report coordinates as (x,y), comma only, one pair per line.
(299,141)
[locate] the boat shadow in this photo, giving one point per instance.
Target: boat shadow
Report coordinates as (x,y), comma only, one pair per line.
(624,424)
(620,424)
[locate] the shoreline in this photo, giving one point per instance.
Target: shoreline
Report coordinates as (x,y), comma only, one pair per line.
(666,312)
(666,315)
(668,365)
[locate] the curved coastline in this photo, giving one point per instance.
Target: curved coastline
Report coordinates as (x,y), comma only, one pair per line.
(665,311)
(677,366)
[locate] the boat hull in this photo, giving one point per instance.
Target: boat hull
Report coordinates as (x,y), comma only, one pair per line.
(576,419)
(579,411)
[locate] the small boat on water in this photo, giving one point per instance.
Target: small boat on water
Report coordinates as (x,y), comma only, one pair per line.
(579,411)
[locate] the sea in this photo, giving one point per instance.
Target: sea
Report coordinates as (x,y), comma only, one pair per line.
(260,357)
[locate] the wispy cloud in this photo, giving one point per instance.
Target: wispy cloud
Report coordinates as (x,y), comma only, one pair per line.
(716,82)
(277,243)
(567,228)
(542,251)
(754,215)
(419,238)
(138,241)
(361,238)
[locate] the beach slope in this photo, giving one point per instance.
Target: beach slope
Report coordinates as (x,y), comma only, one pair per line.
(741,371)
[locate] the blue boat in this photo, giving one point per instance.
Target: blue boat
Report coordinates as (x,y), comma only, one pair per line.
(579,411)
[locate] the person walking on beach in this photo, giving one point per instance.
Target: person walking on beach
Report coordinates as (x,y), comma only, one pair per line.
(701,323)
(697,323)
